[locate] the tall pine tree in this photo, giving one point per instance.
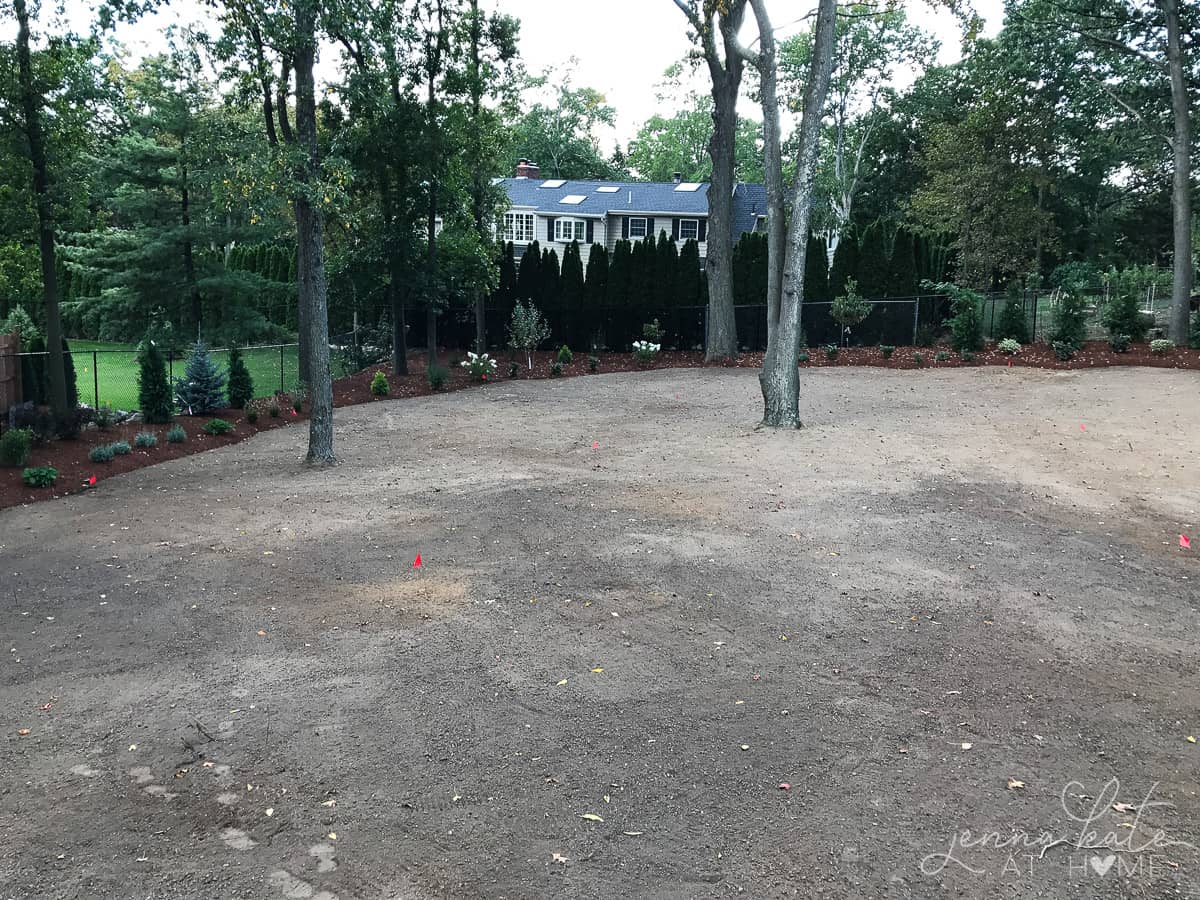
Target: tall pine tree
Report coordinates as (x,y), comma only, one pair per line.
(691,273)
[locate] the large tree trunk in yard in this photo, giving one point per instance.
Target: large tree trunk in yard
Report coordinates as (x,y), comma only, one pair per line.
(313,299)
(31,106)
(1181,193)
(780,379)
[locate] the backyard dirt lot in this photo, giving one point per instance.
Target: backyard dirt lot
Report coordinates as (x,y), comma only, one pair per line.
(651,652)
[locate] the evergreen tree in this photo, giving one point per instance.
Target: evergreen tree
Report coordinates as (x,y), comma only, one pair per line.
(202,387)
(871,267)
(69,372)
(666,272)
(154,390)
(1011,322)
(845,264)
(550,289)
(641,277)
(620,274)
(572,277)
(816,271)
(241,385)
(595,294)
(529,275)
(1122,314)
(902,266)
(506,291)
(691,275)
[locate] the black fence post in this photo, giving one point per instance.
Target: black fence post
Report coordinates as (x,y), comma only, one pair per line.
(96,379)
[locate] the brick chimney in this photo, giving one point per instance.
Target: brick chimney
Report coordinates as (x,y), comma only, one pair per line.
(678,177)
(527,169)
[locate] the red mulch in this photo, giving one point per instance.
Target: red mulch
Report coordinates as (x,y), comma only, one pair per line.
(74,467)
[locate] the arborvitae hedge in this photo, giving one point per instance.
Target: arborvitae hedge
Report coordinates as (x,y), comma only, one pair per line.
(871,266)
(845,262)
(816,271)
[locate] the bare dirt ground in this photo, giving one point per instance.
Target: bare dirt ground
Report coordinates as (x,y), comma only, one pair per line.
(235,685)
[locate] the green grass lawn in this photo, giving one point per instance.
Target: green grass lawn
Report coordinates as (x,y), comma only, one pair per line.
(111,371)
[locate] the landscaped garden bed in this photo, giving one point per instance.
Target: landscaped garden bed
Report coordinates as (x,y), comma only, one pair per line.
(77,472)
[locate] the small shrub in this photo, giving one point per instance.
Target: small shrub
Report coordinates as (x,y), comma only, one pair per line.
(926,335)
(120,448)
(380,386)
(565,356)
(1064,350)
(1009,346)
(438,377)
(850,308)
(15,445)
(274,410)
(241,385)
(479,366)
(145,439)
(645,352)
(967,356)
(298,403)
(105,417)
(176,435)
(513,370)
(556,369)
(802,357)
(101,453)
(217,427)
(1069,322)
(966,325)
(41,476)
(1120,343)
(831,351)
(652,332)
(942,356)
(1122,314)
(252,415)
(1011,324)
(887,350)
(1161,347)
(919,360)
(593,364)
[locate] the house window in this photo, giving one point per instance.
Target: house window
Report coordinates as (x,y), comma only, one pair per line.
(637,228)
(567,230)
(689,229)
(518,227)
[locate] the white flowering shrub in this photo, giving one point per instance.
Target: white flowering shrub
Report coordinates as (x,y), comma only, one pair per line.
(645,351)
(479,366)
(1008,346)
(1161,347)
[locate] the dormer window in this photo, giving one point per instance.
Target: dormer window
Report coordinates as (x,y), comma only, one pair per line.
(567,230)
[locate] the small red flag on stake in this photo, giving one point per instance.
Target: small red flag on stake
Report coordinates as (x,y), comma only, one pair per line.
(417,562)
(595,445)
(91,481)
(1010,363)
(1185,542)
(1082,427)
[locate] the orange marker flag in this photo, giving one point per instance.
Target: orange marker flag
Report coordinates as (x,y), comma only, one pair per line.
(417,562)
(595,445)
(1185,542)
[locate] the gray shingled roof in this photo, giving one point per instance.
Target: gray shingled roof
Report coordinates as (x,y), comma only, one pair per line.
(749,202)
(648,197)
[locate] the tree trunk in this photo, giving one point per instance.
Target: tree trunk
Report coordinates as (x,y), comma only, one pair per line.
(394,295)
(189,262)
(772,171)
(31,105)
(313,300)
(433,66)
(479,183)
(1181,198)
(780,379)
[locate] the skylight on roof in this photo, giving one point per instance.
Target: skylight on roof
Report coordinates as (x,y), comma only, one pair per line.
(607,189)
(688,186)
(553,183)
(573,199)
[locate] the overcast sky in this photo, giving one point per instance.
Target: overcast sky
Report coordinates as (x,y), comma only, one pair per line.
(621,47)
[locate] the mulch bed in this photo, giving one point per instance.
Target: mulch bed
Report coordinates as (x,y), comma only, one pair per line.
(75,470)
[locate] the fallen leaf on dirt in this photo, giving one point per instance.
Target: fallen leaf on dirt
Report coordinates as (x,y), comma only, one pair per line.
(739,702)
(607,798)
(783,637)
(270,812)
(598,669)
(745,746)
(1191,740)
(966,745)
(22,731)
(261,633)
(46,706)
(1124,807)
(332,835)
(1015,784)
(329,803)
(558,857)
(591,817)
(561,683)
(268,553)
(633,833)
(132,747)
(207,765)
